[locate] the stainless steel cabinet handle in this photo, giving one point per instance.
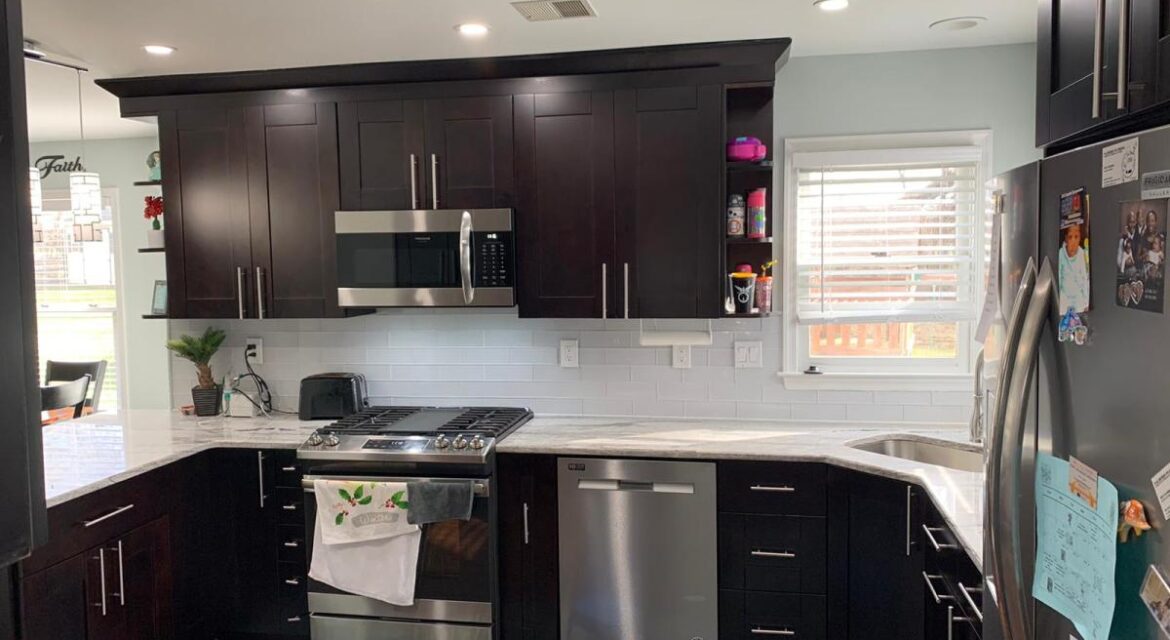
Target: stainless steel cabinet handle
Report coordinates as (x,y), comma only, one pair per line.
(626,287)
(951,620)
(927,577)
(290,468)
(240,289)
(525,523)
(966,591)
(102,568)
(413,181)
(116,512)
(289,507)
(122,578)
(465,231)
(934,542)
(435,178)
(764,631)
(908,525)
(604,292)
(1123,58)
(292,581)
(260,476)
(260,311)
(1098,54)
(292,544)
(772,488)
(293,619)
(760,553)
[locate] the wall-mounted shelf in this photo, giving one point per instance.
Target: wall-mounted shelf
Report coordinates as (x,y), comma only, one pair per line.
(154,316)
(148,183)
(750,167)
(754,314)
(749,241)
(152,249)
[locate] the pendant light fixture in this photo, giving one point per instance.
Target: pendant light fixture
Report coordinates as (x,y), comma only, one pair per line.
(85,188)
(36,199)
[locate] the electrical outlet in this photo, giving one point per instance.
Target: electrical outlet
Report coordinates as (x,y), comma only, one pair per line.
(254,346)
(680,356)
(569,354)
(749,355)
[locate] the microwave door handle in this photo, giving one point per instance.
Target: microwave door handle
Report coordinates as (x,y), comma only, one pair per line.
(465,231)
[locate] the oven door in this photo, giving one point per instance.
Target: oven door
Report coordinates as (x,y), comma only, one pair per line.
(439,258)
(454,581)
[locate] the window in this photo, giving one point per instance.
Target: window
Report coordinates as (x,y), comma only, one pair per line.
(885,252)
(75,284)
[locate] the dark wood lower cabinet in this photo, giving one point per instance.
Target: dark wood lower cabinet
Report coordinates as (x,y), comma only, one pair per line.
(55,602)
(529,578)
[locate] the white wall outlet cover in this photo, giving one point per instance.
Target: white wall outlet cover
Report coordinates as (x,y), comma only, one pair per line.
(569,354)
(680,356)
(749,355)
(256,345)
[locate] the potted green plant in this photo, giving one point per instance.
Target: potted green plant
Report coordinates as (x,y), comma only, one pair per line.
(207,395)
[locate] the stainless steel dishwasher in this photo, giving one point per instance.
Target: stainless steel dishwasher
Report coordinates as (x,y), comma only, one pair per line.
(637,550)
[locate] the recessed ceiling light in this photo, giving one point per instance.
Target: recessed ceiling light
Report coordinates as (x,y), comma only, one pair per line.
(158,49)
(831,5)
(961,23)
(472,29)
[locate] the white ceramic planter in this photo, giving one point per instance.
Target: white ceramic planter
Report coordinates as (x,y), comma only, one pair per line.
(154,239)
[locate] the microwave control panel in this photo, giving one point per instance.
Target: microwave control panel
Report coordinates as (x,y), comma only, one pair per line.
(492,256)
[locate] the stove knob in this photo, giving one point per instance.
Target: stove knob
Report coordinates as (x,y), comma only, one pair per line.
(332,440)
(460,442)
(314,439)
(442,442)
(477,442)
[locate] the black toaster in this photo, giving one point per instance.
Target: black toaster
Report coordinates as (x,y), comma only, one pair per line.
(332,395)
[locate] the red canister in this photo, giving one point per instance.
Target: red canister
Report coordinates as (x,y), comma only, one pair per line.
(757,213)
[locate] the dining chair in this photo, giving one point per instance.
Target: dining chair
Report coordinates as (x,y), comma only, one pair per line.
(66,395)
(56,371)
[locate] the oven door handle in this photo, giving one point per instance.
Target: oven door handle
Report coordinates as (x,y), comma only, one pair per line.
(481,487)
(465,231)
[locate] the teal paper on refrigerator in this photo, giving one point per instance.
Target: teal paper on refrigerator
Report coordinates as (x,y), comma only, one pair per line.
(1076,549)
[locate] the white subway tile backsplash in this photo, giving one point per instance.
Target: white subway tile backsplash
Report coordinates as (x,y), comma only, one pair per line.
(493,357)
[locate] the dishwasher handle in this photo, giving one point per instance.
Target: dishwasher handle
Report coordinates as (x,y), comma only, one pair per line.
(634,485)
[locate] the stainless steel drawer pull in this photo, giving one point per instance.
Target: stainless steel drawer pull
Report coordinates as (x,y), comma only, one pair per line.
(525,523)
(289,469)
(773,489)
(966,591)
(293,619)
(951,620)
(292,544)
(292,581)
(764,631)
(934,542)
(116,512)
(289,507)
(634,485)
(927,577)
(760,553)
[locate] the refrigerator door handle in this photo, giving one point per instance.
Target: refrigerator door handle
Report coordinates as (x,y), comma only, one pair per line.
(1009,568)
(995,435)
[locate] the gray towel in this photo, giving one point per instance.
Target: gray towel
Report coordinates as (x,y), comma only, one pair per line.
(439,501)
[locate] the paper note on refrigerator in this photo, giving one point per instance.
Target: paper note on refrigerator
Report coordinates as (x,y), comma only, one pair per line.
(1076,549)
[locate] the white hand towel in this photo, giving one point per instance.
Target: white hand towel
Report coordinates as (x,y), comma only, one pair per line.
(383,569)
(350,511)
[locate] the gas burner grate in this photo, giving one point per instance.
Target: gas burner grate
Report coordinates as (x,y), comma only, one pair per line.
(489,421)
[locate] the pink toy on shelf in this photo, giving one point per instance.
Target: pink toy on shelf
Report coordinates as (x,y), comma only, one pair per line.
(746,149)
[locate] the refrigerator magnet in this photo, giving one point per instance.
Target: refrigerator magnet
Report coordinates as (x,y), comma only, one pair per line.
(1132,520)
(1073,273)
(1141,255)
(1156,595)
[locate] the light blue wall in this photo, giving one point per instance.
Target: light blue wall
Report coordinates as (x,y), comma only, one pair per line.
(941,90)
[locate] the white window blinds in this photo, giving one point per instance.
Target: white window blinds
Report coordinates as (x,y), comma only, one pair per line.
(888,236)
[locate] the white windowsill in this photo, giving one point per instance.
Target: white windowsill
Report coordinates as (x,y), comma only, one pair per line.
(879,381)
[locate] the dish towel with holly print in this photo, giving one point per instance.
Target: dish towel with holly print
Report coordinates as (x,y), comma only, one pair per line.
(372,553)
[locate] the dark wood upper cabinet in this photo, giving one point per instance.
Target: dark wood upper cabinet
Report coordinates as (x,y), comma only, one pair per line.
(469,156)
(382,155)
(668,187)
(293,189)
(565,213)
(208,237)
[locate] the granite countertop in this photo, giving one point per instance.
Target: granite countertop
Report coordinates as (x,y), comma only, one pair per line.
(957,494)
(86,455)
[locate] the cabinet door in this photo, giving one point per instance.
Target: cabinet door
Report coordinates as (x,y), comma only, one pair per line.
(251,548)
(565,214)
(138,584)
(529,572)
(209,249)
(469,163)
(293,185)
(55,602)
(668,191)
(885,560)
(381,145)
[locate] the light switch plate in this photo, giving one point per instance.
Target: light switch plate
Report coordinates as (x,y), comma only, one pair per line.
(257,345)
(680,356)
(749,355)
(569,354)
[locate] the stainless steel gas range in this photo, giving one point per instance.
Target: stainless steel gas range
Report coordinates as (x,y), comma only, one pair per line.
(455,591)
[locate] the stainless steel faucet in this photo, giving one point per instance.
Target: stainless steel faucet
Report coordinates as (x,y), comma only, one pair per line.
(977,411)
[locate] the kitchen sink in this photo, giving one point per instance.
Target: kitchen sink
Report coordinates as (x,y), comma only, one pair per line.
(943,455)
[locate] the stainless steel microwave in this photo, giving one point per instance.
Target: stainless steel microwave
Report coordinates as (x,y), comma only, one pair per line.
(425,258)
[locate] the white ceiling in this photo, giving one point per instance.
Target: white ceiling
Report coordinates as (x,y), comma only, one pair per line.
(223,35)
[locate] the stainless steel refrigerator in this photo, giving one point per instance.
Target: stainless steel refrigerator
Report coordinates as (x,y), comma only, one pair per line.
(1107,402)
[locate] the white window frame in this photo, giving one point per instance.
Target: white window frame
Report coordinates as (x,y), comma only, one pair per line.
(875,373)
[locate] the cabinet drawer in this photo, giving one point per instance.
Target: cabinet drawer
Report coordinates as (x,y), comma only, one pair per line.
(290,505)
(293,579)
(288,469)
(749,615)
(772,553)
(290,541)
(780,488)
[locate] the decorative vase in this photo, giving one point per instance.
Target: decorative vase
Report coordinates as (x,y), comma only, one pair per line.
(155,239)
(208,402)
